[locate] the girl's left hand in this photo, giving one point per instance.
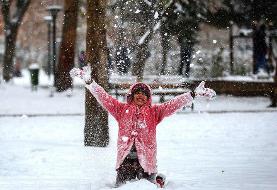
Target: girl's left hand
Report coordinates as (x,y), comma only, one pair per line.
(201,91)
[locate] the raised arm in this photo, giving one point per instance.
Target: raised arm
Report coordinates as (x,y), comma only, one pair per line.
(173,105)
(111,104)
(170,107)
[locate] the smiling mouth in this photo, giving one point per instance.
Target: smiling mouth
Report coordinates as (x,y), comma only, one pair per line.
(139,98)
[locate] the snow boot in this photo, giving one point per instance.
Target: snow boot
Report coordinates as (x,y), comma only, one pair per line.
(160,180)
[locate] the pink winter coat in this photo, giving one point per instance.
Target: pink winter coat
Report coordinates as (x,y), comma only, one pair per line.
(138,125)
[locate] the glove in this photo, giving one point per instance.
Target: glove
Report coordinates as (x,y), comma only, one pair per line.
(84,73)
(201,91)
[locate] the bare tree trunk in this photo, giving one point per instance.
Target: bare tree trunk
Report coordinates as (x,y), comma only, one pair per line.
(67,48)
(96,130)
(273,58)
(9,55)
(143,52)
(273,95)
(11,26)
(142,56)
(165,48)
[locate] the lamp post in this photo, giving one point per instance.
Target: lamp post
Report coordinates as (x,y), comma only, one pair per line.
(48,20)
(54,10)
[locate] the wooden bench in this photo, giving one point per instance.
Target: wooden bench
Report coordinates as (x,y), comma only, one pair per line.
(228,87)
(158,89)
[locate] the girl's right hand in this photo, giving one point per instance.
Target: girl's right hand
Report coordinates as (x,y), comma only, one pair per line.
(84,73)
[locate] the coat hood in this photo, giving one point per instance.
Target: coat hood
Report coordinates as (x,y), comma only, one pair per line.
(136,86)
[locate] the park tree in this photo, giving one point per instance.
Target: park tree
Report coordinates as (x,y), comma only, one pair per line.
(182,19)
(148,23)
(144,18)
(67,48)
(96,118)
(135,21)
(13,13)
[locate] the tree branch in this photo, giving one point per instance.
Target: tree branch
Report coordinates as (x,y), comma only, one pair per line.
(22,6)
(5,11)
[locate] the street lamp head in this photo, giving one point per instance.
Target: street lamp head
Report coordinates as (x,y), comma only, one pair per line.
(48,19)
(54,9)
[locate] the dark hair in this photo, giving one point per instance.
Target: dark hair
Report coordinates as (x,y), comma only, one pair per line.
(262,27)
(140,87)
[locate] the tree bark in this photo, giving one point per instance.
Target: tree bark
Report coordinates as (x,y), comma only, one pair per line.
(142,56)
(9,53)
(11,26)
(165,49)
(67,48)
(273,96)
(274,93)
(143,51)
(186,49)
(96,130)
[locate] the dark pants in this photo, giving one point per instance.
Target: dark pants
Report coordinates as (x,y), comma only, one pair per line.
(261,63)
(131,169)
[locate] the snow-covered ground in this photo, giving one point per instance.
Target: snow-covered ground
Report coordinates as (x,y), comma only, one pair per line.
(225,144)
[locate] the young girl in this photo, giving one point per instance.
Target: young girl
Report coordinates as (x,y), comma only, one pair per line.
(137,120)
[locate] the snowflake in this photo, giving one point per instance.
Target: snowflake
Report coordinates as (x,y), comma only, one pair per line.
(124,139)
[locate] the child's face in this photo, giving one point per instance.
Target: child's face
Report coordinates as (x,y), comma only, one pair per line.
(140,99)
